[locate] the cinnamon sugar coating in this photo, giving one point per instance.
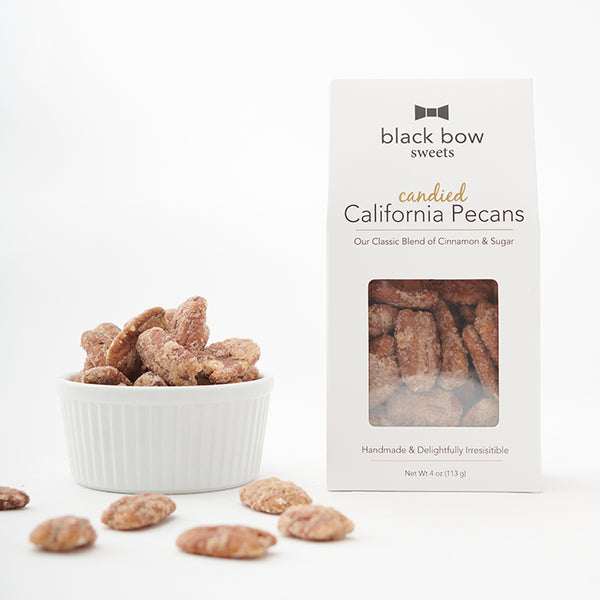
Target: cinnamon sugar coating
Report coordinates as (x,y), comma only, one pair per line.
(435,408)
(455,362)
(169,314)
(63,534)
(402,294)
(11,498)
(384,378)
(382,319)
(315,523)
(486,323)
(272,495)
(226,361)
(122,353)
(166,358)
(150,379)
(96,343)
(417,349)
(188,325)
(226,541)
(104,376)
(483,362)
(464,291)
(384,345)
(140,510)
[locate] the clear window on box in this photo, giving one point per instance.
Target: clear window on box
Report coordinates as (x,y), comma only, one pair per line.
(433,353)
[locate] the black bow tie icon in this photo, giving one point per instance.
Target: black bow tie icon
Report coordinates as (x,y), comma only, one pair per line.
(421,112)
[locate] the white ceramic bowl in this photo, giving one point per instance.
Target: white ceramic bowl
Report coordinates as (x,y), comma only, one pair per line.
(165,439)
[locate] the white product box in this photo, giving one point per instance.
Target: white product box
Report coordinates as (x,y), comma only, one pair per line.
(433,287)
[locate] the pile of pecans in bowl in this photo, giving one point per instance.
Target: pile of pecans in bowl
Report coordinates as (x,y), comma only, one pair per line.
(166,348)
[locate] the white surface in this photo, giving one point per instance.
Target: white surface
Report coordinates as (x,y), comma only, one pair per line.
(150,151)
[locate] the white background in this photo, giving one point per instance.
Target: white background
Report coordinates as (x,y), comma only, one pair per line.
(150,151)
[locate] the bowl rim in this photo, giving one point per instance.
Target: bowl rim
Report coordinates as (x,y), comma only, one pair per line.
(116,394)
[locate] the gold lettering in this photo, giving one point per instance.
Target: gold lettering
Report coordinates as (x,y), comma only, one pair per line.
(435,195)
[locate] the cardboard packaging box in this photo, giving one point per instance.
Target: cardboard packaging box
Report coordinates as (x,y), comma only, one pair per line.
(433,287)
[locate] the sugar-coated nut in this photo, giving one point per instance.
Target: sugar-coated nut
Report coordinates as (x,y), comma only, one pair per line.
(435,408)
(122,353)
(313,522)
(63,534)
(464,291)
(150,379)
(141,510)
(10,498)
(384,345)
(104,376)
(250,375)
(402,294)
(226,541)
(455,362)
(486,323)
(484,364)
(226,361)
(168,359)
(272,495)
(484,413)
(382,319)
(418,349)
(384,378)
(96,343)
(188,325)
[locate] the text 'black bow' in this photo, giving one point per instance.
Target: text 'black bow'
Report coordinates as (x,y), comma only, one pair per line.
(421,112)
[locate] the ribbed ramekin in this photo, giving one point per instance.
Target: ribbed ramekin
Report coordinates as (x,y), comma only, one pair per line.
(164,439)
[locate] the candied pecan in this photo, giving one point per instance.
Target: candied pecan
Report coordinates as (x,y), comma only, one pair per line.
(484,413)
(417,349)
(141,510)
(226,541)
(188,325)
(272,495)
(150,379)
(250,375)
(463,291)
(11,498)
(104,376)
(226,361)
(483,362)
(382,319)
(384,345)
(166,358)
(122,352)
(63,534)
(384,378)
(486,323)
(455,362)
(402,293)
(96,343)
(312,522)
(435,408)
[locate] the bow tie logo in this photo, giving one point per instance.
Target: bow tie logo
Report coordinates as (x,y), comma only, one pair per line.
(441,112)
